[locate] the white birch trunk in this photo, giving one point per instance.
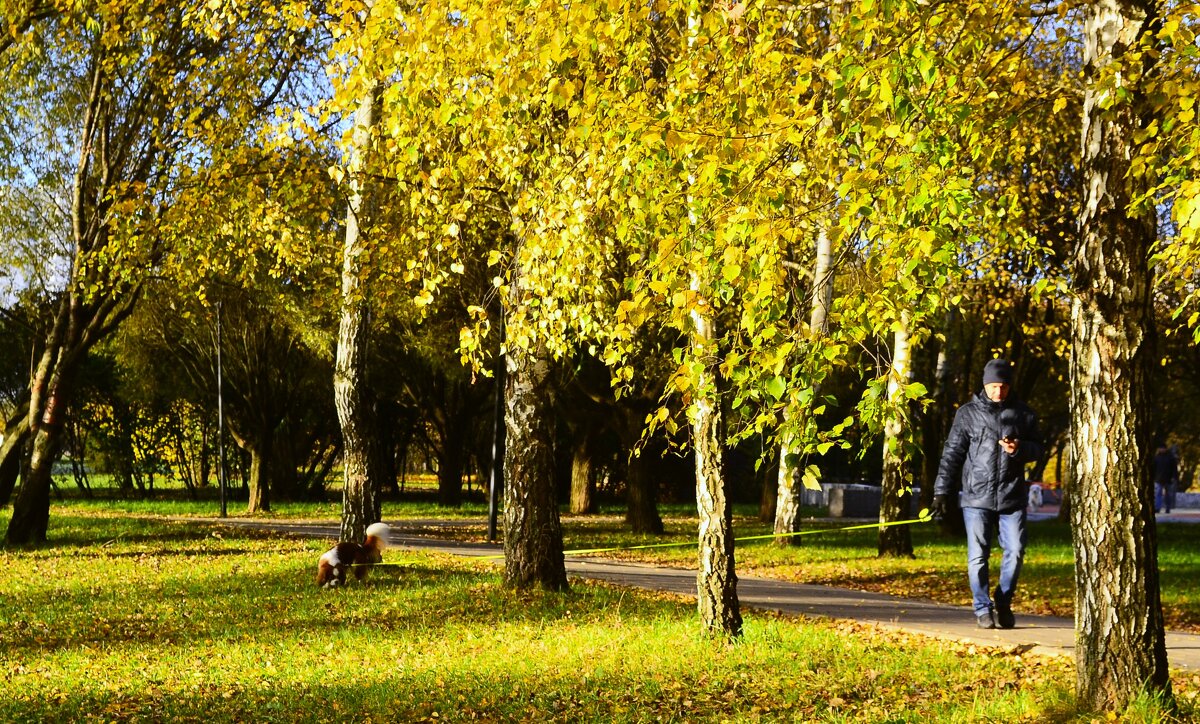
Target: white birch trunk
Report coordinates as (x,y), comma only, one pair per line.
(896,493)
(787,506)
(360,506)
(1120,646)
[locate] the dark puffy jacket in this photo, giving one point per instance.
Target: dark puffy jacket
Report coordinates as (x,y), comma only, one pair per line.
(990,478)
(1166,468)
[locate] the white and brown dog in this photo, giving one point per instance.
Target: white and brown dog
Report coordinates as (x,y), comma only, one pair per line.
(335,562)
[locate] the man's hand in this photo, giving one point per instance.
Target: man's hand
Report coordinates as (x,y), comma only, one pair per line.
(1009,444)
(939,508)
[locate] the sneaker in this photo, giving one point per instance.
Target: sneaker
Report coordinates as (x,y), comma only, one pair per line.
(984,620)
(1005,618)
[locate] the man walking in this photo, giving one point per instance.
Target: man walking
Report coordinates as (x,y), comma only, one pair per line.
(993,436)
(1166,478)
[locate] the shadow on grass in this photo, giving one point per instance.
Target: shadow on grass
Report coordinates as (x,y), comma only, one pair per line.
(165,553)
(68,533)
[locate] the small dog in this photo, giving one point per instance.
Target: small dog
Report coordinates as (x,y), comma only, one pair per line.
(1035,497)
(332,567)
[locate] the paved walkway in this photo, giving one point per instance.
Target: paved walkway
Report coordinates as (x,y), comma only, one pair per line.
(1038,634)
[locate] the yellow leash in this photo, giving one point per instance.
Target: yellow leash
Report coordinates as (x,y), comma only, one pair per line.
(923,517)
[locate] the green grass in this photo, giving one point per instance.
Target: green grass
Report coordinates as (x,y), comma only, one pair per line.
(172,500)
(831,556)
(136,619)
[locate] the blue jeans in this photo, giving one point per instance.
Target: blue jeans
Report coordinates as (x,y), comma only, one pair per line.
(982,526)
(1164,496)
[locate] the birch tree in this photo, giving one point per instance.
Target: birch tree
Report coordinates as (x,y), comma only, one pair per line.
(352,391)
(1120,644)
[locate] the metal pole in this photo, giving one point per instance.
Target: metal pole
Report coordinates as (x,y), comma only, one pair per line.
(497,457)
(220,419)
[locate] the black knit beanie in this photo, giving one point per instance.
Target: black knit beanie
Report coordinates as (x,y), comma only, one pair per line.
(998,370)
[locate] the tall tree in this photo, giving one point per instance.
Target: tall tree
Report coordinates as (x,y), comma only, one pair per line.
(509,150)
(162,99)
(716,579)
(1120,645)
(276,392)
(791,476)
(352,392)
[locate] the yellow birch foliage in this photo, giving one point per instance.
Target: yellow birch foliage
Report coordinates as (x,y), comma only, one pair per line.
(624,147)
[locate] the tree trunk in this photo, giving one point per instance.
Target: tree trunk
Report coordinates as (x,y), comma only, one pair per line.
(31,509)
(769,494)
(12,452)
(583,488)
(1120,645)
(314,484)
(1064,472)
(716,580)
(788,499)
(80,321)
(932,428)
(360,503)
(260,451)
(641,490)
(533,544)
(451,459)
(283,475)
(52,385)
(895,498)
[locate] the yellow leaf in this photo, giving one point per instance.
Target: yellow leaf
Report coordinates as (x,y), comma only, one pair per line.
(811,478)
(885,92)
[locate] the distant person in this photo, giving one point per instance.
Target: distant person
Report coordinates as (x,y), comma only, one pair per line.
(993,436)
(1166,478)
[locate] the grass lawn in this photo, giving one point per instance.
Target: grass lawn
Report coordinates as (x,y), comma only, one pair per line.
(128,618)
(830,556)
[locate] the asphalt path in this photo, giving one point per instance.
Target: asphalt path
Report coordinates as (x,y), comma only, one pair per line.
(1037,634)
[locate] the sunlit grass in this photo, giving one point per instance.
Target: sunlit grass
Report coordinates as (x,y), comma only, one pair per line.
(830,556)
(129,619)
(173,501)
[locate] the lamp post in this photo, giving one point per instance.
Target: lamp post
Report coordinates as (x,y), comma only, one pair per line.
(220,419)
(497,473)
